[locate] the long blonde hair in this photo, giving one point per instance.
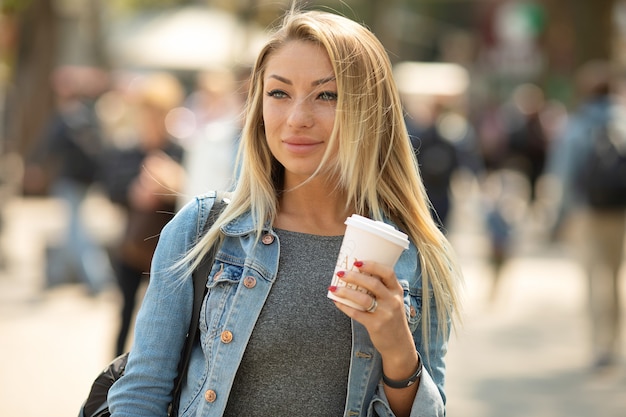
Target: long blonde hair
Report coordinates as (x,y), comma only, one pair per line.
(375,163)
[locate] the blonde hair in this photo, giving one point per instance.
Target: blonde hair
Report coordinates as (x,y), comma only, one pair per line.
(375,164)
(160,91)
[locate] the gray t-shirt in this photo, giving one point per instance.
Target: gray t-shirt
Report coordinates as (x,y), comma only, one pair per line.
(298,357)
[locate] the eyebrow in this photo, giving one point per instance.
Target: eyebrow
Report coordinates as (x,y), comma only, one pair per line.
(314,83)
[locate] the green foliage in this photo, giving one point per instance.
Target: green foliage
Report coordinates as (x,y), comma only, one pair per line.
(134,5)
(13,6)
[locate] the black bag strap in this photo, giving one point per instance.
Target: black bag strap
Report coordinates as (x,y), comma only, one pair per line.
(200,276)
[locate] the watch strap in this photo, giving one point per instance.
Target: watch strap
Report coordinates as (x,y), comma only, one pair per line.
(404,383)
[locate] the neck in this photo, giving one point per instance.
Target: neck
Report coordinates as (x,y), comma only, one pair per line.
(313,208)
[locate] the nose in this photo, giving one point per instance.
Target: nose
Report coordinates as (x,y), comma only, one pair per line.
(300,114)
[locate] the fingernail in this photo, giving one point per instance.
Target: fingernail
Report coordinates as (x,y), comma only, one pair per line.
(340,274)
(358,264)
(332,288)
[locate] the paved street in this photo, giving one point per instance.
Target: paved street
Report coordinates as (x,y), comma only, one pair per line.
(524,354)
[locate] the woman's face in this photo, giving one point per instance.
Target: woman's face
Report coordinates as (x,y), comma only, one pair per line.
(299,102)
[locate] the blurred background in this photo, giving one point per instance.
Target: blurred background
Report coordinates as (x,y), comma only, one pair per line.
(114,113)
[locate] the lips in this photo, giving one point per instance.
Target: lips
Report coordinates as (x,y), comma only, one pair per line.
(301,145)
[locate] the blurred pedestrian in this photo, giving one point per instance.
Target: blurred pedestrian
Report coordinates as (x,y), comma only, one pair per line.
(514,144)
(526,135)
(11,172)
(210,148)
(66,163)
(144,177)
(442,137)
(597,129)
(439,151)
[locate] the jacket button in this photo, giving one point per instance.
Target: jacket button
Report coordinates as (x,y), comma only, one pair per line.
(210,396)
(226,336)
(249,282)
(267,239)
(412,312)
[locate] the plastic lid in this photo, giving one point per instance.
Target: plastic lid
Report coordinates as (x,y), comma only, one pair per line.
(379,228)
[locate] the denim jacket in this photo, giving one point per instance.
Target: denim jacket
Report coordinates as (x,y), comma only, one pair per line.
(241,278)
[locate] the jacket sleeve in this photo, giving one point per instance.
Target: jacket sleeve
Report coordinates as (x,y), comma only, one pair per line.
(427,403)
(161,325)
(430,398)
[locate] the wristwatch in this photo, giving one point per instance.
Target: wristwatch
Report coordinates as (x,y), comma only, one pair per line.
(404,383)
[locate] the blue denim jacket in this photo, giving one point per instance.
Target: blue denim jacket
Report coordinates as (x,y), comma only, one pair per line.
(240,280)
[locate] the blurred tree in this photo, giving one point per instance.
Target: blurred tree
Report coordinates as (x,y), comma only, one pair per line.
(39,46)
(577,32)
(410,29)
(595,29)
(29,98)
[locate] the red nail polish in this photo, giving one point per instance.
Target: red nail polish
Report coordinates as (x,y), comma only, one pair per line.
(340,274)
(358,264)
(332,288)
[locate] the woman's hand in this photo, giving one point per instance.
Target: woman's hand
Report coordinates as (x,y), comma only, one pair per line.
(386,323)
(385,320)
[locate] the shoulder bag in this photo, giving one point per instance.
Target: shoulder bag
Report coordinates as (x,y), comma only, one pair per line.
(96,404)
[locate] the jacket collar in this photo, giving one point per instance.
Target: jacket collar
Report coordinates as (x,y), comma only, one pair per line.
(242,225)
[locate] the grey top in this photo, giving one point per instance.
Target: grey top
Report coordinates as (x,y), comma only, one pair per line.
(298,357)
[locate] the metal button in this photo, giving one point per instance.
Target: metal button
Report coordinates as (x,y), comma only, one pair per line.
(226,336)
(210,396)
(267,239)
(412,312)
(249,282)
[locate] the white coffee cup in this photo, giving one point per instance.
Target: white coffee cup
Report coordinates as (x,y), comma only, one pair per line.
(367,239)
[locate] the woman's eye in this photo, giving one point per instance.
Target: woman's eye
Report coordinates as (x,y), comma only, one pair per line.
(328,96)
(277,94)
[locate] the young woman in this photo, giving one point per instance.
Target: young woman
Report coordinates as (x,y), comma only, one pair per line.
(324,138)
